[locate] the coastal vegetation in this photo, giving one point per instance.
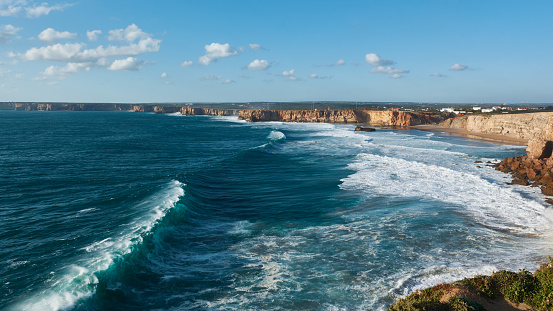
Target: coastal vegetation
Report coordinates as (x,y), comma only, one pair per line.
(503,290)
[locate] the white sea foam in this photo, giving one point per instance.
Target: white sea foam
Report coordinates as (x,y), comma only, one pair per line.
(488,202)
(80,278)
(276,135)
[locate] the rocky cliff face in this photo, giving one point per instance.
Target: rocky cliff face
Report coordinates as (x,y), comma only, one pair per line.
(374,117)
(190,111)
(524,125)
(64,107)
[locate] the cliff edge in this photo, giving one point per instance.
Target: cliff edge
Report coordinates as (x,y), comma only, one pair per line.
(373,117)
(522,126)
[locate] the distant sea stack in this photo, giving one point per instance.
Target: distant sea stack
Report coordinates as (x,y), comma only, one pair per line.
(373,117)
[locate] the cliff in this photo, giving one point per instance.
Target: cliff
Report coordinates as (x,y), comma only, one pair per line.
(522,126)
(64,107)
(374,117)
(190,111)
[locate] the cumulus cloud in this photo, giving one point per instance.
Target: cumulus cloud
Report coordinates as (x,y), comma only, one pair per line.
(340,62)
(7,32)
(215,51)
(75,52)
(186,63)
(258,64)
(439,75)
(63,72)
(128,64)
(255,46)
(164,75)
(376,60)
(288,73)
(50,35)
(10,7)
(92,35)
(396,76)
(388,70)
(43,9)
(129,34)
(14,7)
(458,67)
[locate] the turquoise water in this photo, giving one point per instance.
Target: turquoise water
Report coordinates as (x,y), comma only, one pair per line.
(136,211)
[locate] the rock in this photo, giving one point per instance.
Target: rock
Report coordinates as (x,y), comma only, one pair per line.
(539,149)
(360,128)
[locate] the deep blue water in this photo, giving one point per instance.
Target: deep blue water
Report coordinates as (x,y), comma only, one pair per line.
(135,211)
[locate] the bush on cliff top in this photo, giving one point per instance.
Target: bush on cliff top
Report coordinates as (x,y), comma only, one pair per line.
(534,290)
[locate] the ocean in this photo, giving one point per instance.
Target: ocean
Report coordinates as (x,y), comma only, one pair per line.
(140,211)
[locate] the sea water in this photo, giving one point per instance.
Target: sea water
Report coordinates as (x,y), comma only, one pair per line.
(137,211)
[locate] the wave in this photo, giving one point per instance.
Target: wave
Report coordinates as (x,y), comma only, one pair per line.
(490,202)
(80,280)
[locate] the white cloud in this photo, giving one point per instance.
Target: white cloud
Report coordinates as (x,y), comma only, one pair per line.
(43,9)
(255,46)
(164,75)
(458,67)
(228,81)
(314,76)
(7,32)
(340,62)
(129,34)
(186,63)
(288,73)
(388,70)
(396,76)
(210,77)
(50,35)
(375,60)
(92,35)
(10,7)
(214,51)
(258,65)
(128,64)
(439,75)
(75,52)
(63,72)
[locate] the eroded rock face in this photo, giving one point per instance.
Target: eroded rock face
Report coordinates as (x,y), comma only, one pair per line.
(374,117)
(522,126)
(533,169)
(539,149)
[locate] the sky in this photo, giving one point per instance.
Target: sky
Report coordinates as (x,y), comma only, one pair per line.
(470,51)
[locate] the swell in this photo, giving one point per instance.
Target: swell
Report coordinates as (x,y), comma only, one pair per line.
(84,276)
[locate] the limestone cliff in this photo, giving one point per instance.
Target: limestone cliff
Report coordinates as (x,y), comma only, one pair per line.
(64,107)
(374,117)
(523,126)
(190,111)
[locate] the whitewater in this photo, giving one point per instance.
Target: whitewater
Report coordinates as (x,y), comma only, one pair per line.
(139,211)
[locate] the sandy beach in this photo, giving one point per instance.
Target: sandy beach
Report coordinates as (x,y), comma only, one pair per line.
(490,138)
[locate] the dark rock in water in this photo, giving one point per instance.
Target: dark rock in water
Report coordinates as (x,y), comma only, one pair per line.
(364,129)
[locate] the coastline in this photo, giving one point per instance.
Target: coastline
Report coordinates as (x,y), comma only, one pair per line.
(485,137)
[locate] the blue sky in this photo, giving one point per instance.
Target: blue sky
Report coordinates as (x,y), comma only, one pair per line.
(236,51)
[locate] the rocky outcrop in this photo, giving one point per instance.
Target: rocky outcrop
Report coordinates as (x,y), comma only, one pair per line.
(192,111)
(374,117)
(166,109)
(535,168)
(521,126)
